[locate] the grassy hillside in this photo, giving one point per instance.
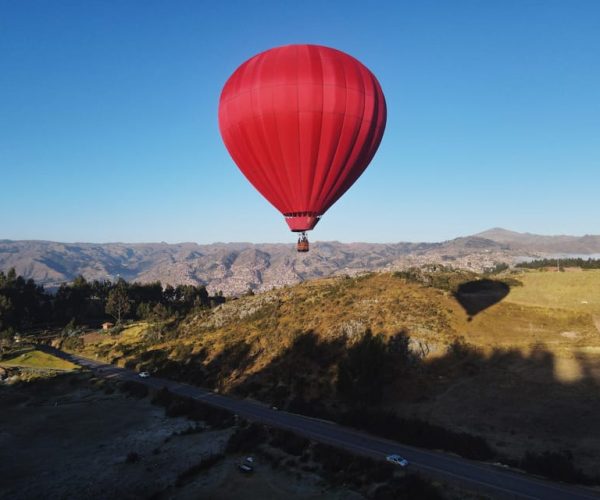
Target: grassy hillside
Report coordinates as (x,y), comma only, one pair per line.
(32,358)
(574,290)
(516,361)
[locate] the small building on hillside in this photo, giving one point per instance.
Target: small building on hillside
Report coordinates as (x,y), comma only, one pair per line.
(107,326)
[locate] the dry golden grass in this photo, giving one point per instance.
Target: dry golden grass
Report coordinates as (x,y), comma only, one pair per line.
(576,291)
(333,308)
(32,358)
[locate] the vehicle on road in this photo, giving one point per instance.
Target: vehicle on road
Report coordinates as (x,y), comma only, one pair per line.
(397,460)
(144,374)
(245,468)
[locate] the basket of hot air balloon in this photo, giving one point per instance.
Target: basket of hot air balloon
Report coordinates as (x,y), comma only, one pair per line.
(302,123)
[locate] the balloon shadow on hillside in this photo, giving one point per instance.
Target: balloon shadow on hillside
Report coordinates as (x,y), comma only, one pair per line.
(476,296)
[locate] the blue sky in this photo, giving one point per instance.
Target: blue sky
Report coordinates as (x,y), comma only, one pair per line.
(108,118)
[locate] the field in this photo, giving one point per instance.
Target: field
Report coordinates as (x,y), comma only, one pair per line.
(29,357)
(572,290)
(555,312)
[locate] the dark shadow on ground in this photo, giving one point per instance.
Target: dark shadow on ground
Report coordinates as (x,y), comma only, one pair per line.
(475,296)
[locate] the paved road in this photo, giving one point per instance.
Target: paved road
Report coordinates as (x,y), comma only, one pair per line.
(493,479)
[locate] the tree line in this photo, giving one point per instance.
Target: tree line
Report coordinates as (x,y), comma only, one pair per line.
(561,263)
(25,305)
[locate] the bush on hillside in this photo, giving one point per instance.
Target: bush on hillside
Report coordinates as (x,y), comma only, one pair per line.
(418,433)
(180,406)
(410,486)
(246,439)
(557,466)
(342,467)
(134,389)
(204,464)
(291,443)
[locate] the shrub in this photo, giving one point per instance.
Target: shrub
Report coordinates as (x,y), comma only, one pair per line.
(192,429)
(204,464)
(461,349)
(163,397)
(340,466)
(134,389)
(418,433)
(289,442)
(246,439)
(215,417)
(554,465)
(132,457)
(182,351)
(73,343)
(116,330)
(411,486)
(179,406)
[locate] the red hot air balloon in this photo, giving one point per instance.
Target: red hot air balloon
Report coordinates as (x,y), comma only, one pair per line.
(302,122)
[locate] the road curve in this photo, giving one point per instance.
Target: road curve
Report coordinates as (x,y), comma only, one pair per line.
(492,479)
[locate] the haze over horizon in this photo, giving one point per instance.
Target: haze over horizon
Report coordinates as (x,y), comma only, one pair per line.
(109,132)
(283,242)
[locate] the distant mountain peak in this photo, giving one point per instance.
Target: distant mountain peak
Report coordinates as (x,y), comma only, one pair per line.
(498,232)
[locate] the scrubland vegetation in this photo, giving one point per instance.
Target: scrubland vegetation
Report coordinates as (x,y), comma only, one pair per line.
(503,367)
(439,359)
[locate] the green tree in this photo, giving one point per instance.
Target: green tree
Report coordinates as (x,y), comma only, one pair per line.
(118,304)
(80,282)
(12,275)
(159,312)
(6,337)
(169,294)
(143,311)
(6,310)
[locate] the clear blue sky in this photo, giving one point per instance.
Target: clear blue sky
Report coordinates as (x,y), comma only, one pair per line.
(108,118)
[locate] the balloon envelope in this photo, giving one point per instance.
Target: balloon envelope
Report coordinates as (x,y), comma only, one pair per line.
(302,122)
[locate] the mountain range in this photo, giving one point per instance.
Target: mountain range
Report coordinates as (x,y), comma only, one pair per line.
(233,268)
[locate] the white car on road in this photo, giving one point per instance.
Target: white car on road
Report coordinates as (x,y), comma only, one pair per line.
(397,459)
(144,374)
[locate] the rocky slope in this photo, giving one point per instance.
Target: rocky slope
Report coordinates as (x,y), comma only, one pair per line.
(588,244)
(236,267)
